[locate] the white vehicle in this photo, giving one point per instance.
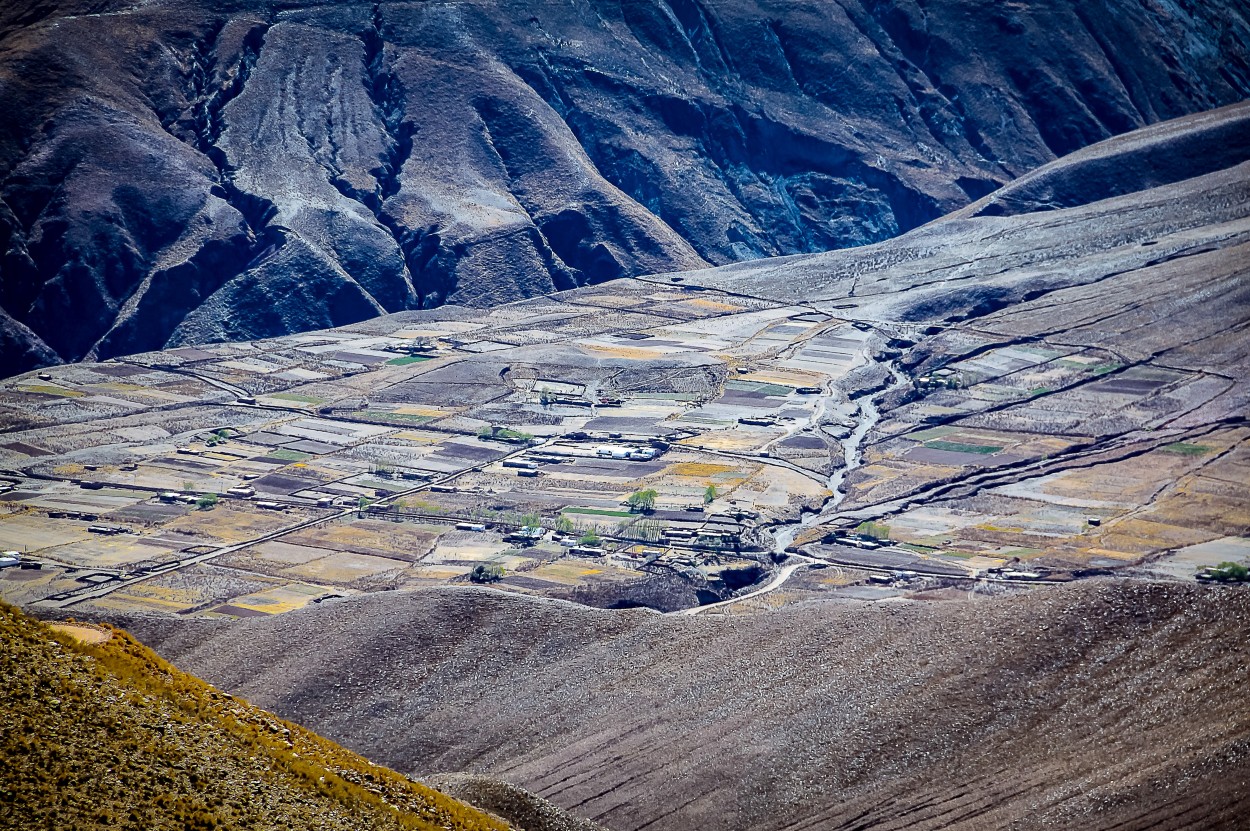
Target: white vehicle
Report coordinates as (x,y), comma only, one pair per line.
(10,558)
(470,526)
(609,451)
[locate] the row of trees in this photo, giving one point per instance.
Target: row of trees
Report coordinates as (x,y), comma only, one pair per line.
(643,501)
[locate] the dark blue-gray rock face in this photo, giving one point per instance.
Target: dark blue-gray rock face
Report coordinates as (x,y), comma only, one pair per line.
(173,172)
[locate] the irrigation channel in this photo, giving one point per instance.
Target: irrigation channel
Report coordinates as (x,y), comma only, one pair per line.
(852,454)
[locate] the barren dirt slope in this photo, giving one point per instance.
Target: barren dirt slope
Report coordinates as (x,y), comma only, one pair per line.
(1099,705)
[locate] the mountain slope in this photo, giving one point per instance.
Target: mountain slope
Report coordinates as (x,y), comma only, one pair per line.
(1091,705)
(177,172)
(100,733)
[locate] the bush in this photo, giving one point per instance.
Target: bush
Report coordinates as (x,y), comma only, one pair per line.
(206,502)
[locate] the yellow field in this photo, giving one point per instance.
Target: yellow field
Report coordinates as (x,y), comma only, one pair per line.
(785,377)
(712,305)
(369,536)
(278,600)
(432,412)
(568,572)
(419,436)
(228,524)
(29,532)
(697,470)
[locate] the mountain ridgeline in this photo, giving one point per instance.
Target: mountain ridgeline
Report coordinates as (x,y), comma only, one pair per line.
(184,171)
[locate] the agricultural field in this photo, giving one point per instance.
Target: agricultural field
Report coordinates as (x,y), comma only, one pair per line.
(617,444)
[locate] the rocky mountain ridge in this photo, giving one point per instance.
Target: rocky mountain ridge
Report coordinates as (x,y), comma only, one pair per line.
(181,172)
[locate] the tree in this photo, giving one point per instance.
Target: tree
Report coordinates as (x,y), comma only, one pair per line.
(709,494)
(642,501)
(876,530)
(590,538)
(1229,572)
(206,502)
(564,525)
(486,573)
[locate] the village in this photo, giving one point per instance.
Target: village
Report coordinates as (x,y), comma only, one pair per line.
(639,444)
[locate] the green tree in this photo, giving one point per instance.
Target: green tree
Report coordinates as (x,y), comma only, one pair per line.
(206,502)
(564,525)
(642,501)
(709,494)
(876,530)
(1229,572)
(590,538)
(486,573)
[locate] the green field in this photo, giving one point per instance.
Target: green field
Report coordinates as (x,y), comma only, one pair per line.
(295,396)
(290,455)
(958,447)
(1187,449)
(385,418)
(407,359)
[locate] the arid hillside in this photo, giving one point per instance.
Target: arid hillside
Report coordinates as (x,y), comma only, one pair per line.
(185,171)
(100,733)
(1098,705)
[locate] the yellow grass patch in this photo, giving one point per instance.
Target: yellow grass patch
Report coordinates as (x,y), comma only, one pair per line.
(83,633)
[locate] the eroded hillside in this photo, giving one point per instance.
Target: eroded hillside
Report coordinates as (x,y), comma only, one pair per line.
(181,172)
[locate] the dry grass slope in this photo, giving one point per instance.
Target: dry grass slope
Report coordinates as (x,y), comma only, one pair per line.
(108,735)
